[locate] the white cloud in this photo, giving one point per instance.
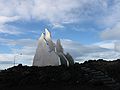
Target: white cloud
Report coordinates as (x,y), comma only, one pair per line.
(6,57)
(112,14)
(57,11)
(113,45)
(28,48)
(109,44)
(8,29)
(57,25)
(111,33)
(7,60)
(4,19)
(107,55)
(20,42)
(25,50)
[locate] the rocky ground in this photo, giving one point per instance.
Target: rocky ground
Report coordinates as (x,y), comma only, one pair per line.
(91,75)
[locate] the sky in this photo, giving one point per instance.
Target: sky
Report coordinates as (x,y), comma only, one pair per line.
(88,29)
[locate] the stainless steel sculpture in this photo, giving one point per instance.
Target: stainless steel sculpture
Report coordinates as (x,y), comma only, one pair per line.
(49,54)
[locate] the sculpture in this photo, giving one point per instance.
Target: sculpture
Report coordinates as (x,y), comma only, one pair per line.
(49,54)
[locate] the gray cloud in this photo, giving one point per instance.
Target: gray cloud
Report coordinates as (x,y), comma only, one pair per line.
(108,50)
(77,50)
(6,62)
(117,46)
(111,33)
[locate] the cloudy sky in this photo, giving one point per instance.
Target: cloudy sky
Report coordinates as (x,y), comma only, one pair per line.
(88,29)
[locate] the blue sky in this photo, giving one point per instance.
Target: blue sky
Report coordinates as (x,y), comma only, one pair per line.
(88,29)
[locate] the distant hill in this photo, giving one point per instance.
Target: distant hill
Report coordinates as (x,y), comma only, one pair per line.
(90,75)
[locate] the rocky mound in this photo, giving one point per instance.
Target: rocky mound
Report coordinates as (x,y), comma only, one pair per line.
(91,75)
